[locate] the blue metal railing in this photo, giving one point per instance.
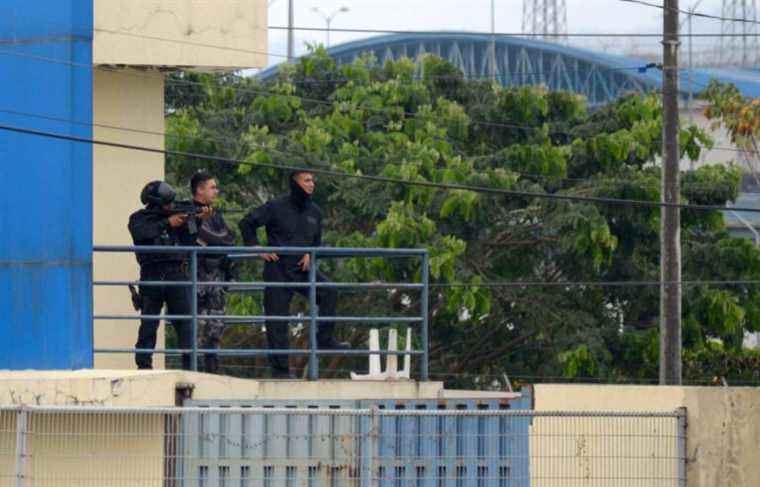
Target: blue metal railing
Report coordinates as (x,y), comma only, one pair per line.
(249,253)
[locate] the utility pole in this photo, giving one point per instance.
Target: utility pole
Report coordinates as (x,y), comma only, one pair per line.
(291,40)
(670,226)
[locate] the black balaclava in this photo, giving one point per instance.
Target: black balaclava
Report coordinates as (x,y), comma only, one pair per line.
(299,197)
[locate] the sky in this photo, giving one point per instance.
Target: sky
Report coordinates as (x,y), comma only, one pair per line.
(584,16)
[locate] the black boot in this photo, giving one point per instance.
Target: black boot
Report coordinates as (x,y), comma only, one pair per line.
(212,364)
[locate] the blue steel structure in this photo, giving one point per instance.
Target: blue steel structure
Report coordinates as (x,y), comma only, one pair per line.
(46,209)
(518,61)
(317,254)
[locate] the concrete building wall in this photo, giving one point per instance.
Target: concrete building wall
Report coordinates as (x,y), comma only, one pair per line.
(195,34)
(114,448)
(218,34)
(723,424)
(133,101)
(86,450)
(83,450)
(157,388)
(59,186)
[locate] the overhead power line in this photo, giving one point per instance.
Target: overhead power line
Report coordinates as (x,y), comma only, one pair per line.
(444,186)
(426,33)
(263,92)
(704,188)
(696,14)
(260,92)
(190,43)
(382,179)
(324,102)
(563,284)
(497,34)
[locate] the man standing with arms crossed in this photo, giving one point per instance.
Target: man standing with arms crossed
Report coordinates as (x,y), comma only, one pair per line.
(293,220)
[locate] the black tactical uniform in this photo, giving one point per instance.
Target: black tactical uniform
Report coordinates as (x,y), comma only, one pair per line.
(150,226)
(213,232)
(290,221)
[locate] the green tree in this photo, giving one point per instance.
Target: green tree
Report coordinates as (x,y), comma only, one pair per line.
(424,122)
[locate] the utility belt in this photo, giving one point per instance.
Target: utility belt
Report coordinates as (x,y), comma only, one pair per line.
(175,270)
(159,271)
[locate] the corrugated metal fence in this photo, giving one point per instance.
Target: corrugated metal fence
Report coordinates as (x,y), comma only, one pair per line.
(338,446)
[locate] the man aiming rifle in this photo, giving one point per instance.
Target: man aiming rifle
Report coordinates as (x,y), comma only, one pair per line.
(160,224)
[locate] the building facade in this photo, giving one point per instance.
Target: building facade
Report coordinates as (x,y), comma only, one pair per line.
(76,70)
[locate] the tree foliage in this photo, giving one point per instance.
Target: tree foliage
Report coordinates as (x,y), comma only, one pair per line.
(424,122)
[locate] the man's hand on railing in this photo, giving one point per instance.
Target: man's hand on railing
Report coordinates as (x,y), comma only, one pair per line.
(305,263)
(270,257)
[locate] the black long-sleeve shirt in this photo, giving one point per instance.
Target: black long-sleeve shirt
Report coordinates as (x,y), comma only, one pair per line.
(289,222)
(151,227)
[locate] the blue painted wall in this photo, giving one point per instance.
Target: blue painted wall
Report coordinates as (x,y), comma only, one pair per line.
(46,204)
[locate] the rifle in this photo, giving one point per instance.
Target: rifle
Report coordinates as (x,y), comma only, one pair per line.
(191,208)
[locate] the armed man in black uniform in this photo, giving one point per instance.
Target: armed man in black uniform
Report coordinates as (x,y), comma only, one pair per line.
(291,221)
(213,231)
(158,224)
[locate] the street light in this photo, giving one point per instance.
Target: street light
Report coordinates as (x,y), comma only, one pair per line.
(329,18)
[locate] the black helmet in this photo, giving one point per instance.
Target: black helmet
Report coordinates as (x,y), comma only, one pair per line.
(157,193)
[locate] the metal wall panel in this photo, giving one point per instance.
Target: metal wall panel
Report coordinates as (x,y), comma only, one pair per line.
(290,449)
(46,209)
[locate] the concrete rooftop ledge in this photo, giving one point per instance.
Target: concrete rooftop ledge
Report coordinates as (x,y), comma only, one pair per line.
(159,388)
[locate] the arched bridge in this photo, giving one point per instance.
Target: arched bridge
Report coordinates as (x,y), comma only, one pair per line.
(515,61)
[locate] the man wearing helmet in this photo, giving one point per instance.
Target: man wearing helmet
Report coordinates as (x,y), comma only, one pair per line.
(291,221)
(157,225)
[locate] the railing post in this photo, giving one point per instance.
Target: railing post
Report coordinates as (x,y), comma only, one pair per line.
(424,312)
(373,450)
(22,452)
(313,359)
(683,456)
(194,309)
